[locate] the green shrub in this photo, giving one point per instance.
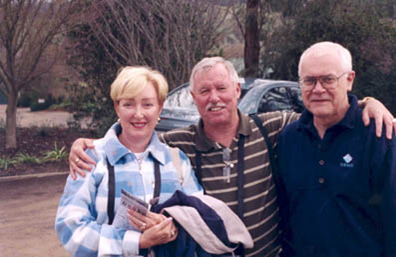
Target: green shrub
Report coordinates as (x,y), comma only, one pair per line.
(26,99)
(65,105)
(39,106)
(26,158)
(6,162)
(48,101)
(56,154)
(60,99)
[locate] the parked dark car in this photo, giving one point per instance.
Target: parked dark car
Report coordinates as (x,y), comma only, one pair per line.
(258,96)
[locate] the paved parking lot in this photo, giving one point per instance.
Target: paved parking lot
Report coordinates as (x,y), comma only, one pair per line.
(27,214)
(28,206)
(47,118)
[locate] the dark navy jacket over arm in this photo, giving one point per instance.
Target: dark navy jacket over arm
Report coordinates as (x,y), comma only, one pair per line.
(184,245)
(340,190)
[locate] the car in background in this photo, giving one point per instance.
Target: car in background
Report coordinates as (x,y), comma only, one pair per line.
(257,96)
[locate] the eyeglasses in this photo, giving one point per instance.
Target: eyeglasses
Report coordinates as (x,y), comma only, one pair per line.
(327,81)
(226,156)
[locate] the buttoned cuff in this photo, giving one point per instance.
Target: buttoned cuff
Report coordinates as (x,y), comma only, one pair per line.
(131,241)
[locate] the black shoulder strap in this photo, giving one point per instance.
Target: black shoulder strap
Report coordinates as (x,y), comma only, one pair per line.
(111,192)
(241,176)
(198,167)
(271,154)
(156,191)
(111,188)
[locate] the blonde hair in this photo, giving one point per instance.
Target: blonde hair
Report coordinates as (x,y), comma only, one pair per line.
(209,62)
(132,80)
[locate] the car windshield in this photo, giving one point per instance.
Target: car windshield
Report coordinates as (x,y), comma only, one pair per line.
(257,96)
(182,99)
(180,103)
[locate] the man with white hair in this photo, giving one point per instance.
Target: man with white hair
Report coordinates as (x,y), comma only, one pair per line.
(338,177)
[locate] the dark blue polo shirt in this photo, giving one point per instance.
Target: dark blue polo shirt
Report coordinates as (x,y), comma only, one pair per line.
(340,191)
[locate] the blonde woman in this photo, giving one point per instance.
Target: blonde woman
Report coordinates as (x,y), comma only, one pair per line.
(133,152)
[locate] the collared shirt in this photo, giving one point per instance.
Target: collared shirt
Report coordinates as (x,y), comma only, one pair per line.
(82,220)
(260,206)
(340,189)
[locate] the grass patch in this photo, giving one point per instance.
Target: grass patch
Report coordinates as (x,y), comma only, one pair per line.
(57,154)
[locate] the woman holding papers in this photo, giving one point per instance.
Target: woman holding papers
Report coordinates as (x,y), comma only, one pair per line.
(91,219)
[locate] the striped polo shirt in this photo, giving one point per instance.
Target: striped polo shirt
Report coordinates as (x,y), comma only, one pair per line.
(261,215)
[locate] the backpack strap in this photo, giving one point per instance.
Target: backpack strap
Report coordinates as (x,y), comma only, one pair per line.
(198,167)
(175,157)
(111,188)
(271,154)
(241,176)
(158,179)
(111,192)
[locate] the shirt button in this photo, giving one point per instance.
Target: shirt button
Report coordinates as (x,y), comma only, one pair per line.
(321,180)
(321,162)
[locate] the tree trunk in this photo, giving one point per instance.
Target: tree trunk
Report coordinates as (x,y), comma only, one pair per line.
(252,43)
(11,120)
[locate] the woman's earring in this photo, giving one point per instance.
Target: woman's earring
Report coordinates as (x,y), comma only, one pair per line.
(118,120)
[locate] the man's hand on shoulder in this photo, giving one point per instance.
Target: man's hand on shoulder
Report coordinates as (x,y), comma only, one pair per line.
(372,108)
(78,158)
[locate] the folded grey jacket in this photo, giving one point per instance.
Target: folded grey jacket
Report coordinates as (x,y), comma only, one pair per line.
(209,221)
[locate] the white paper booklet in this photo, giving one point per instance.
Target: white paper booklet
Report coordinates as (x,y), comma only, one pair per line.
(128,200)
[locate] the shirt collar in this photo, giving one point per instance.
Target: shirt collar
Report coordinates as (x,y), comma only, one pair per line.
(348,121)
(115,150)
(204,144)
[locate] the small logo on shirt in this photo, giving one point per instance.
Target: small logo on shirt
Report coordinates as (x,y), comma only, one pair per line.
(347,158)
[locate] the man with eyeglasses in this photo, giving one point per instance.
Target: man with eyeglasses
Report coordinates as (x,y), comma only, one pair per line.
(338,177)
(228,152)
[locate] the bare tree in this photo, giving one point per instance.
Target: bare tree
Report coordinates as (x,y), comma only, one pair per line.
(27,29)
(257,21)
(167,35)
(252,43)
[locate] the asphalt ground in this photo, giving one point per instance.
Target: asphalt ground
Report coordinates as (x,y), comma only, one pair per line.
(28,203)
(47,118)
(28,206)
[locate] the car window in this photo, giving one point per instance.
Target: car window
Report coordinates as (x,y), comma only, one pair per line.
(180,99)
(275,99)
(296,99)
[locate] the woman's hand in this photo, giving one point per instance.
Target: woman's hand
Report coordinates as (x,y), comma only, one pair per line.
(78,159)
(142,222)
(159,234)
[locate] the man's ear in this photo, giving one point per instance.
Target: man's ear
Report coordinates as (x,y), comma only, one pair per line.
(193,96)
(350,80)
(239,89)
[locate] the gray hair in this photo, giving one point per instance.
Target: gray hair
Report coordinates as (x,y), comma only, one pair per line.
(326,46)
(209,62)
